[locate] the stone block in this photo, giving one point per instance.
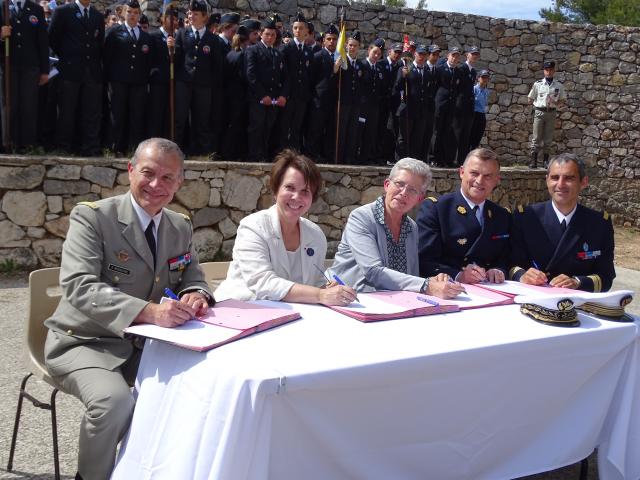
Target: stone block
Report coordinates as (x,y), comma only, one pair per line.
(341,196)
(370,194)
(25,208)
(65,172)
(58,227)
(207,243)
(193,194)
(23,258)
(36,232)
(54,203)
(48,251)
(607,66)
(241,191)
(328,14)
(103,176)
(69,202)
(60,187)
(214,198)
(21,178)
(208,216)
(11,235)
(227,228)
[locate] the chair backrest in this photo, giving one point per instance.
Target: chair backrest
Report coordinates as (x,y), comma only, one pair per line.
(215,272)
(42,303)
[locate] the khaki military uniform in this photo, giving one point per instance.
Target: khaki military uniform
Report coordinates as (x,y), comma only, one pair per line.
(107,277)
(545,99)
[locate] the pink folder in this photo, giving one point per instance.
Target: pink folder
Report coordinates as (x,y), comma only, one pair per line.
(226,322)
(478,297)
(398,305)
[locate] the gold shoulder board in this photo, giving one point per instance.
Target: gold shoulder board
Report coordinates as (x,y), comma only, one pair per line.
(606,215)
(92,205)
(520,208)
(433,199)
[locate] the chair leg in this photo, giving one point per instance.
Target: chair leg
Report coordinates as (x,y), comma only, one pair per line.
(584,469)
(54,433)
(16,424)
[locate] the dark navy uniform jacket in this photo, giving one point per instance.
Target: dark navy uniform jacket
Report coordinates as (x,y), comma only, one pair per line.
(298,66)
(76,42)
(29,44)
(421,88)
(350,83)
(200,62)
(389,74)
(584,251)
(465,101)
(450,236)
(372,83)
(126,60)
(448,85)
(160,58)
(325,88)
(266,72)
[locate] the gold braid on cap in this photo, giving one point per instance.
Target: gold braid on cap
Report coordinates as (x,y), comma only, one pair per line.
(565,318)
(606,310)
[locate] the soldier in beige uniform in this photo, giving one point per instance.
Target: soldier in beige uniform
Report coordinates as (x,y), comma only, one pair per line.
(546,95)
(119,256)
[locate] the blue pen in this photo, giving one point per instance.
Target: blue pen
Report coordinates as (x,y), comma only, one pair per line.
(340,282)
(428,300)
(535,265)
(169,293)
(451,280)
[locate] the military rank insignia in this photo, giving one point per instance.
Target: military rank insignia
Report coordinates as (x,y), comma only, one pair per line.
(206,49)
(461,210)
(462,241)
(180,263)
(489,214)
(123,256)
(33,20)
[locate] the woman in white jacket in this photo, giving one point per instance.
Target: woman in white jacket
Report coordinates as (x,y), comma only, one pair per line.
(278,254)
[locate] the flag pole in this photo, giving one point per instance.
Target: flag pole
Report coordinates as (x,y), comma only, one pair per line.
(406,96)
(7,82)
(172,106)
(342,32)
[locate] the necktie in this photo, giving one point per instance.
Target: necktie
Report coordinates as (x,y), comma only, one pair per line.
(151,240)
(85,15)
(133,34)
(563,225)
(197,36)
(300,47)
(476,213)
(420,69)
(18,7)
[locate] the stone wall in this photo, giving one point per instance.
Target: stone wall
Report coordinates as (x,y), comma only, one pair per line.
(37,195)
(599,65)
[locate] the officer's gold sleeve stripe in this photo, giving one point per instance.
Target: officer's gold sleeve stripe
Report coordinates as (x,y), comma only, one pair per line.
(513,271)
(597,282)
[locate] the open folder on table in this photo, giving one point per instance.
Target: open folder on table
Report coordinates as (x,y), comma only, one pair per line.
(511,288)
(226,322)
(377,306)
(477,297)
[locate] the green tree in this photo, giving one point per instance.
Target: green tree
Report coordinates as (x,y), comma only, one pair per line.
(619,12)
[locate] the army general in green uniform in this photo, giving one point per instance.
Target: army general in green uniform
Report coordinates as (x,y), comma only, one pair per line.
(119,256)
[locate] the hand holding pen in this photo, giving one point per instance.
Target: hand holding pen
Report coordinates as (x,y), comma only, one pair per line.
(534,276)
(166,314)
(336,292)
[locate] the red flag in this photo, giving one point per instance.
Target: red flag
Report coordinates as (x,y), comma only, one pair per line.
(406,47)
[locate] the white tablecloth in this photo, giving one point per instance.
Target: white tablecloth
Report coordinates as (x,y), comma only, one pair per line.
(480,394)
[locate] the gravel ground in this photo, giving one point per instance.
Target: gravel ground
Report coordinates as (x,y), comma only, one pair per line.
(34,459)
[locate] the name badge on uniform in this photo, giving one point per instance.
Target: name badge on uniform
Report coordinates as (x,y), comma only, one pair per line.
(119,269)
(180,263)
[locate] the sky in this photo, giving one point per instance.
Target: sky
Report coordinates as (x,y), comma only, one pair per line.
(520,9)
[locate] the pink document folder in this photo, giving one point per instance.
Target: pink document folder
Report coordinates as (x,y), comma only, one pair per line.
(377,306)
(226,322)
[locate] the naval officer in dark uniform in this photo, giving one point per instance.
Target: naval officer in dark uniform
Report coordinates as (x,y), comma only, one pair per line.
(128,58)
(465,102)
(76,36)
(29,56)
(560,241)
(463,233)
(448,84)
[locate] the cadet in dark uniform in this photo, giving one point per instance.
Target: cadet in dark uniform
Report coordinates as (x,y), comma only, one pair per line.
(297,59)
(372,84)
(127,63)
(253,27)
(197,64)
(76,36)
(465,100)
(349,79)
(310,41)
(29,56)
(416,85)
(268,90)
(448,83)
(321,126)
(463,233)
(234,141)
(158,117)
(560,241)
(388,129)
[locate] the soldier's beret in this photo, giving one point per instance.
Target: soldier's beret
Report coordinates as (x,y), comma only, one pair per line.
(242,30)
(332,30)
(549,64)
(269,23)
(196,6)
(421,49)
(299,17)
(356,35)
(230,17)
(251,24)
(379,42)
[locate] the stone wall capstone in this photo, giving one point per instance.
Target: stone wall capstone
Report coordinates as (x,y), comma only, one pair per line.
(34,218)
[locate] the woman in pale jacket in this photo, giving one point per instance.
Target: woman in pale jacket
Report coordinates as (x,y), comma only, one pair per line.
(278,254)
(379,245)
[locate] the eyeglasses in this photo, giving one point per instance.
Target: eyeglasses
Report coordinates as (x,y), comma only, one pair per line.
(408,189)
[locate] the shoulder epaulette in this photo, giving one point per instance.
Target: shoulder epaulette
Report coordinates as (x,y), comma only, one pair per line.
(433,199)
(508,209)
(92,205)
(186,217)
(606,215)
(520,208)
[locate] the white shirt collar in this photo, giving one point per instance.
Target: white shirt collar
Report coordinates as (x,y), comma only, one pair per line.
(201,31)
(266,46)
(135,29)
(295,40)
(145,218)
(561,216)
(80,6)
(429,64)
(415,64)
(450,66)
(471,204)
(226,40)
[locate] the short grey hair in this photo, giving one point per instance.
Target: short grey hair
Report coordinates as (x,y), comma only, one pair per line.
(161,146)
(415,167)
(567,158)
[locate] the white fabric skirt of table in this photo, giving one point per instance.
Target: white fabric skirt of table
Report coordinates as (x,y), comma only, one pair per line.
(480,394)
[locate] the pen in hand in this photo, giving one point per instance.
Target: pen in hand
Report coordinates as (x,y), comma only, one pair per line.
(451,280)
(169,293)
(340,282)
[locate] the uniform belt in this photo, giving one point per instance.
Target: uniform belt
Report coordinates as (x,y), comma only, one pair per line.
(545,109)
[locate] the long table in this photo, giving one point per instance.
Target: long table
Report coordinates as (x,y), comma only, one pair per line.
(479,394)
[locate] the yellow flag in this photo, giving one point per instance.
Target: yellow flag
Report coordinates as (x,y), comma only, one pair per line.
(342,40)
